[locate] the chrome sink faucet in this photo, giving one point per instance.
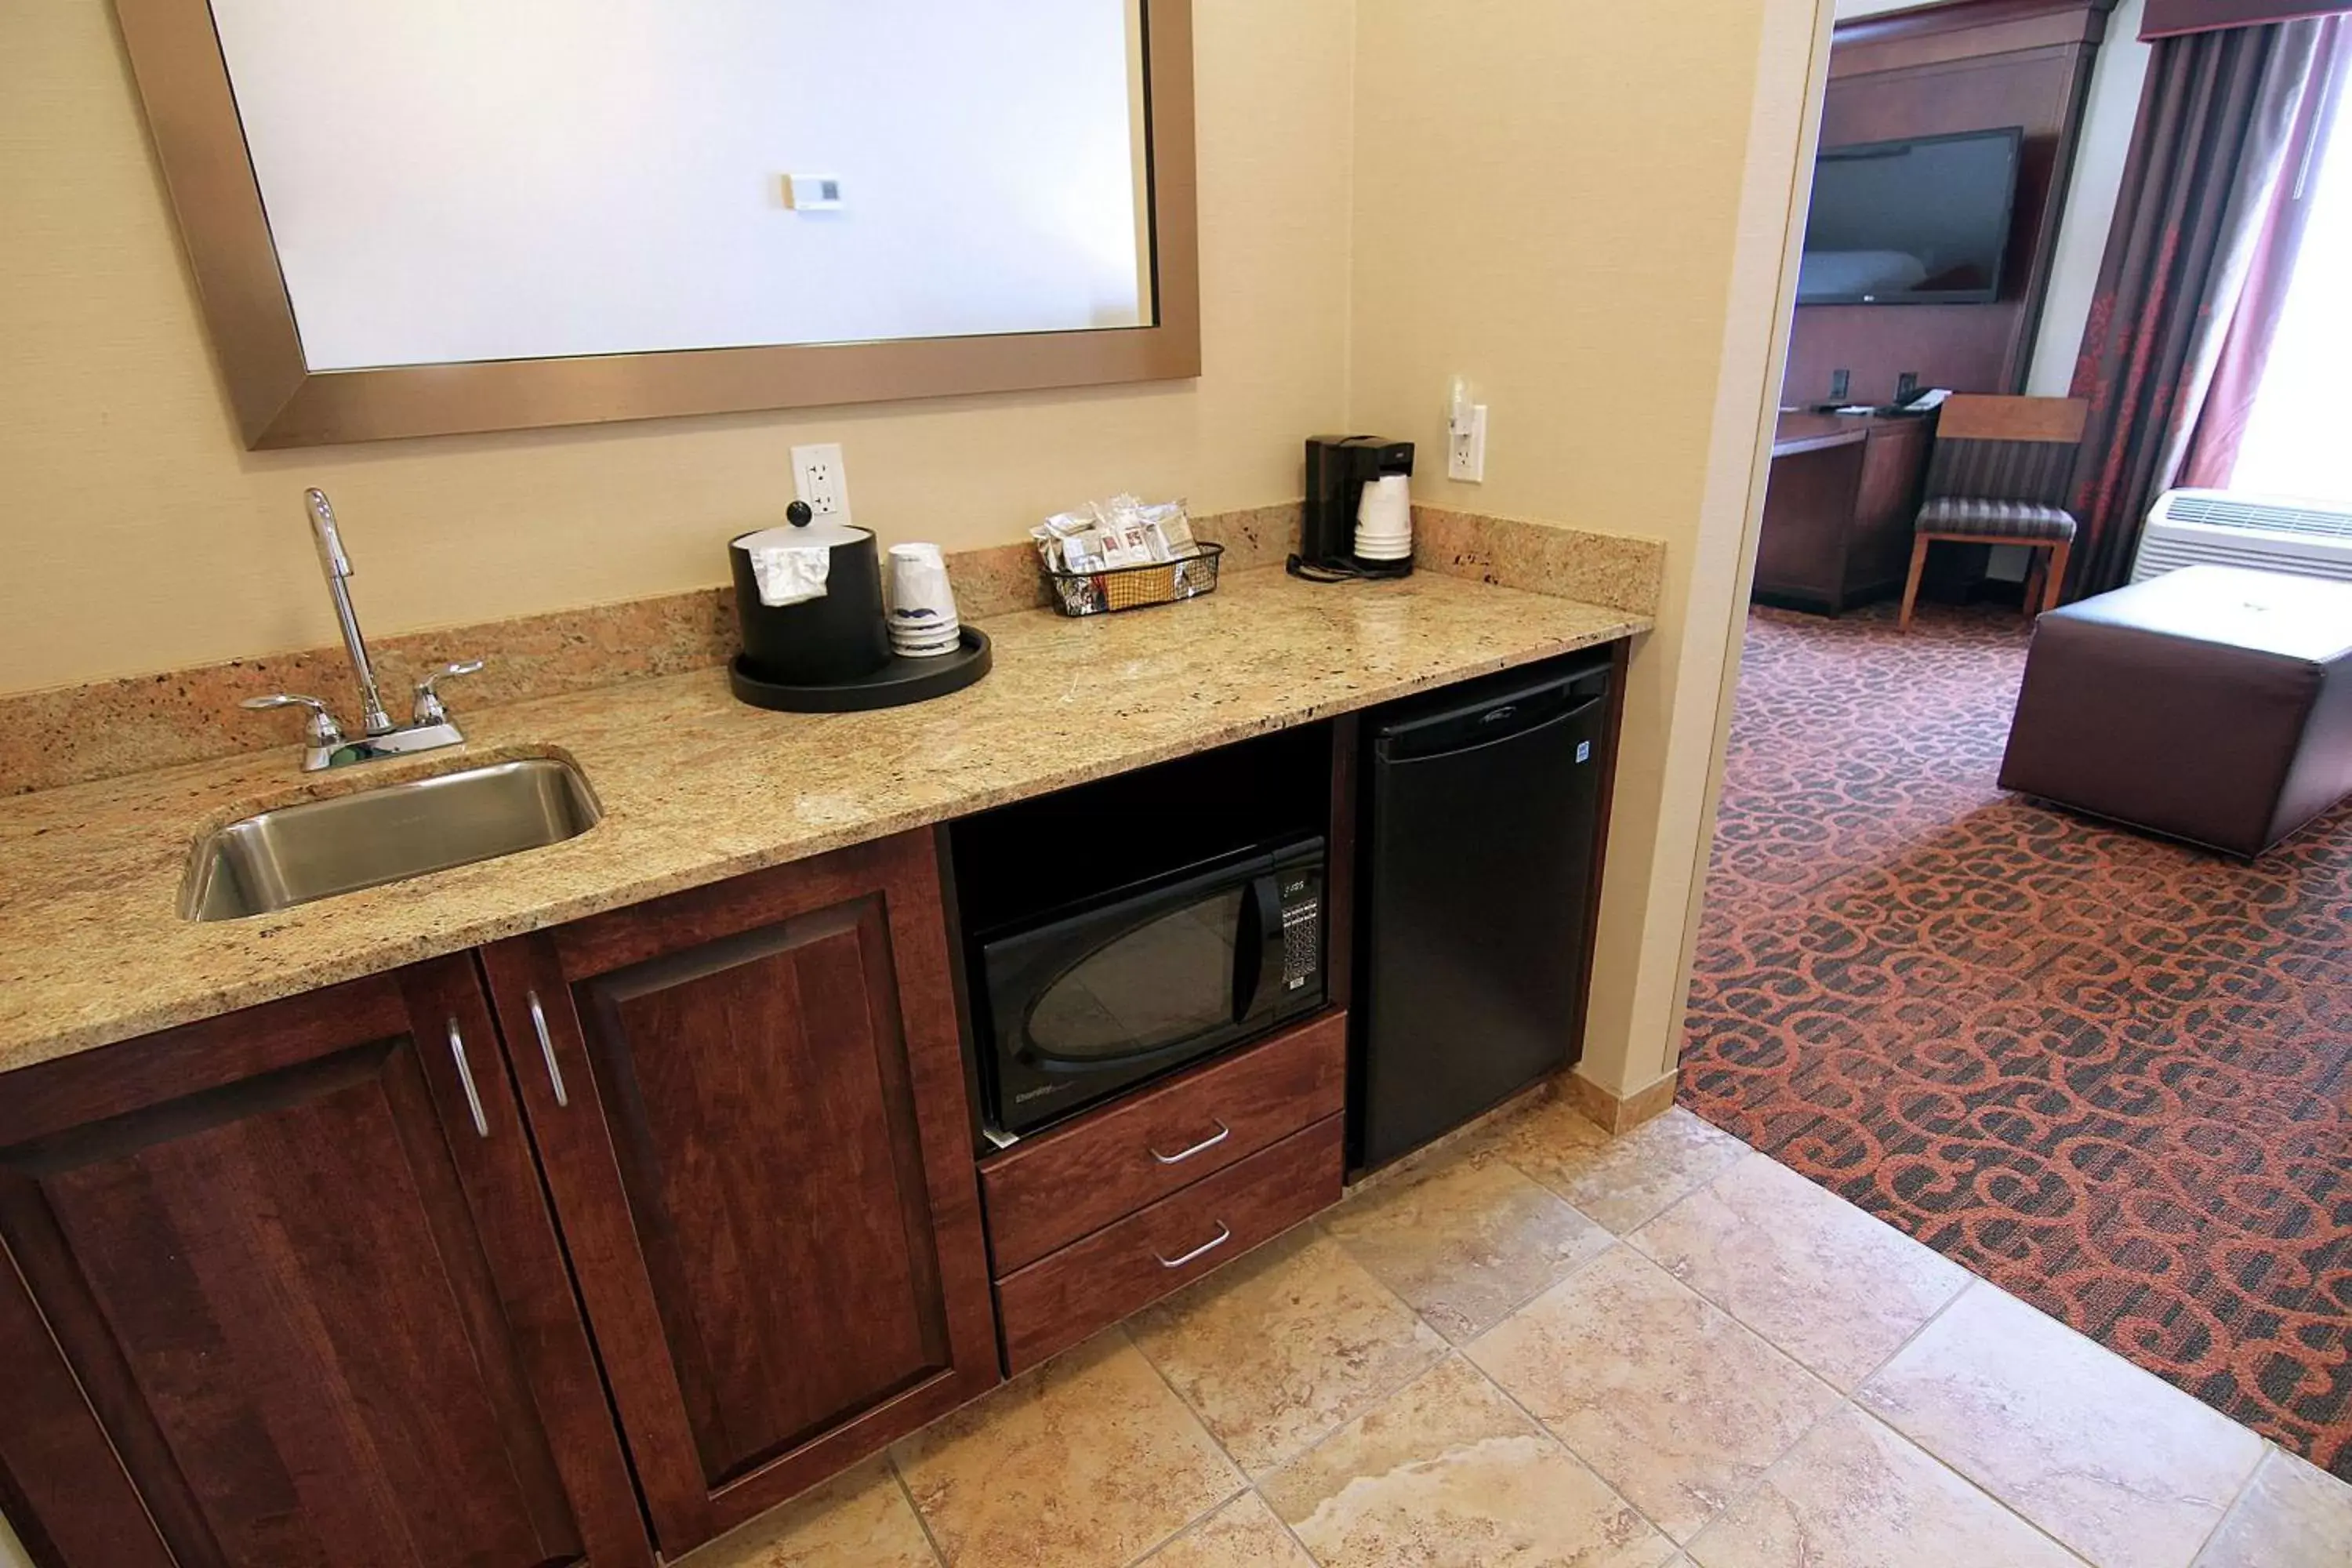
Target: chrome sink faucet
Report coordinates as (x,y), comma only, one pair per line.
(429,725)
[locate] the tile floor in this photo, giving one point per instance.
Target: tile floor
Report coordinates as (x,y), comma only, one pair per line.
(1542,1345)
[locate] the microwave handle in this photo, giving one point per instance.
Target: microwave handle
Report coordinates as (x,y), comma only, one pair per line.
(1259,940)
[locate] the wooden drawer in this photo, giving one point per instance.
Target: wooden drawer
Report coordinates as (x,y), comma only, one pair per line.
(1052,1189)
(1091,1284)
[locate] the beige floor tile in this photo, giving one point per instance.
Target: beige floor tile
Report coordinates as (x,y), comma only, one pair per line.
(1620,1181)
(2123,1467)
(1835,1287)
(1663,1394)
(1447,1471)
(2290,1515)
(1087,1462)
(860,1517)
(1241,1534)
(1465,1242)
(1280,1348)
(1856,1495)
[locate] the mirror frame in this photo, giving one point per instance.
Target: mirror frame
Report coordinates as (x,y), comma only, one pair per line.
(182,77)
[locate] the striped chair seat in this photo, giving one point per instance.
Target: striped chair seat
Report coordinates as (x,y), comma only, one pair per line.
(1999,519)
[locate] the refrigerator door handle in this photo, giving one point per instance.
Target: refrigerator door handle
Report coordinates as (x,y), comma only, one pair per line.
(1501,738)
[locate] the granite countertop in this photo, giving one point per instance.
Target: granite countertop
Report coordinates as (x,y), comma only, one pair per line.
(697,787)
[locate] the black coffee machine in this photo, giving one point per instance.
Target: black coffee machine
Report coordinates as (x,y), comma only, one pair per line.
(1337,469)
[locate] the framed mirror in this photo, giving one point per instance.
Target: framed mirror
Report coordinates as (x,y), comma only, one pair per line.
(452,216)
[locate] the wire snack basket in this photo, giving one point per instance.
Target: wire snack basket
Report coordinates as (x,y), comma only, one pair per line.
(1135,587)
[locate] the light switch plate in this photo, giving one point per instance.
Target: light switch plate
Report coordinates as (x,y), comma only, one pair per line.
(820,478)
(813,193)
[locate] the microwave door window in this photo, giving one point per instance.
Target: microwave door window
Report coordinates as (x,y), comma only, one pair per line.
(1152,987)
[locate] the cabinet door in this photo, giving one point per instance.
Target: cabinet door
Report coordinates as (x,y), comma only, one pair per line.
(282,1291)
(749,1102)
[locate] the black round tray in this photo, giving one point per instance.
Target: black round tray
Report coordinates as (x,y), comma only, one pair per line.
(897,683)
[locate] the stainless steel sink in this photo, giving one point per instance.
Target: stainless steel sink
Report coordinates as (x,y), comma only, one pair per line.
(276,859)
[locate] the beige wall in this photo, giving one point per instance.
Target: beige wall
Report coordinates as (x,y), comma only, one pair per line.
(1536,203)
(140,535)
(1586,211)
(1584,208)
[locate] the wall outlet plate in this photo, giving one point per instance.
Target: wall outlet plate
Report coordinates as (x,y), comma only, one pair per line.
(1466,447)
(820,478)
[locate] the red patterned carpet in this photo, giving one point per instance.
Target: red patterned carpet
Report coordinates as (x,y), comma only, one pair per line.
(2111,1074)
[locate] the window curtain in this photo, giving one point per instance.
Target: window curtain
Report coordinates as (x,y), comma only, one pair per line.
(2238,371)
(2228,122)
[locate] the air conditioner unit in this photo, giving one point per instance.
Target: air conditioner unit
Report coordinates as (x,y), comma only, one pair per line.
(2235,528)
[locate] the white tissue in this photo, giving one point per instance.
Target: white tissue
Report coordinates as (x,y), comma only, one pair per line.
(789,573)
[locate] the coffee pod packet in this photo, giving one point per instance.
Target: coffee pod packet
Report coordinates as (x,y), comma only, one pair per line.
(1173,526)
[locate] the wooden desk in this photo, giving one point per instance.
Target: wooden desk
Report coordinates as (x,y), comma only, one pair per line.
(1838,509)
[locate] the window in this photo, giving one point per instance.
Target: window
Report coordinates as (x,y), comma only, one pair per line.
(2298,439)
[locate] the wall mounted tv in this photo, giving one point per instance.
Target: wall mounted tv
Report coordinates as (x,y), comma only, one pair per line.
(1918,222)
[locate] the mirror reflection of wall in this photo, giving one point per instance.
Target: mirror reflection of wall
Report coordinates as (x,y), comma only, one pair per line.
(450,180)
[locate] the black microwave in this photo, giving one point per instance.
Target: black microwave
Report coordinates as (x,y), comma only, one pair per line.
(1088,1000)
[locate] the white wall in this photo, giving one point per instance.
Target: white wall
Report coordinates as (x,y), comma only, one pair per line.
(988,154)
(2107,118)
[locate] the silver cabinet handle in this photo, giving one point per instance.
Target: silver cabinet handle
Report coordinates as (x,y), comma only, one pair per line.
(466,1079)
(1206,1248)
(1222,1133)
(547,1048)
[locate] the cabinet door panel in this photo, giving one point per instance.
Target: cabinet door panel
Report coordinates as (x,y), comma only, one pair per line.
(752,1080)
(278,1290)
(762,1166)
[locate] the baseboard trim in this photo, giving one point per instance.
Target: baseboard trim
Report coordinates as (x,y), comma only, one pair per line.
(1613,1112)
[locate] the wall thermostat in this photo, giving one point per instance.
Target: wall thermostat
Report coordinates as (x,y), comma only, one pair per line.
(812,193)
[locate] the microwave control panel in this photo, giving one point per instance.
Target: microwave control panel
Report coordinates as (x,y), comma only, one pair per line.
(1301,897)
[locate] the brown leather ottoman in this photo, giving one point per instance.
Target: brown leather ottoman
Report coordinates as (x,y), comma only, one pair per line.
(2212,704)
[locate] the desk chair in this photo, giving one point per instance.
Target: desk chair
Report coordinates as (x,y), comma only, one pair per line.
(2000,475)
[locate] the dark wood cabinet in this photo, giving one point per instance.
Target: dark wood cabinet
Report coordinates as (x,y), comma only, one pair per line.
(1838,509)
(1057,1187)
(281,1290)
(1068,1295)
(1931,71)
(750,1104)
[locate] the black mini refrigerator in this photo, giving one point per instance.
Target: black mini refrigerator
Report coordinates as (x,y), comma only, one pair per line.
(1479,826)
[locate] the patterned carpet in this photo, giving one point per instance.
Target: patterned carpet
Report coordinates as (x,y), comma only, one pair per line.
(2112,1075)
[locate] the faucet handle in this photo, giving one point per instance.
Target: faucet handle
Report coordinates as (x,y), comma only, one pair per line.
(428,701)
(321,730)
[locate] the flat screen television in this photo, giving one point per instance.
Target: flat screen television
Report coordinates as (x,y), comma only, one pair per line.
(1917,222)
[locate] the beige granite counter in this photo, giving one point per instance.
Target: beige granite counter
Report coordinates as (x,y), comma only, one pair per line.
(697,787)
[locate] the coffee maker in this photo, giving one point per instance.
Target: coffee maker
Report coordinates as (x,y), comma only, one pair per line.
(1337,469)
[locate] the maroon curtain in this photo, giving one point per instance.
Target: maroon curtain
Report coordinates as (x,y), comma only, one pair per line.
(2216,137)
(2238,374)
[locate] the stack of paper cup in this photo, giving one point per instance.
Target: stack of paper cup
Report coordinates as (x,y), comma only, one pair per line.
(1384,520)
(923,623)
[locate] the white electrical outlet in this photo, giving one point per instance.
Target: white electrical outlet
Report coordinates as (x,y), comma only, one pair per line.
(820,478)
(1466,447)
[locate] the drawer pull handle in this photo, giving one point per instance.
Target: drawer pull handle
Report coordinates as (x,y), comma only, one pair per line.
(1223,1236)
(547,1048)
(465,1081)
(1222,1133)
